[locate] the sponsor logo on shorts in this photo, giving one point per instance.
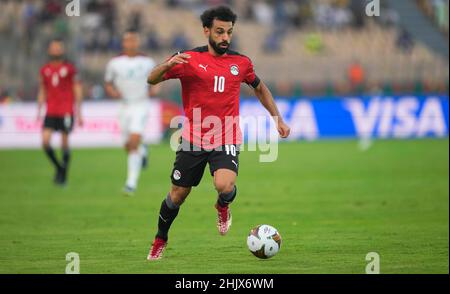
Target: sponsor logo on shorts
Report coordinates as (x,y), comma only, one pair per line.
(176,175)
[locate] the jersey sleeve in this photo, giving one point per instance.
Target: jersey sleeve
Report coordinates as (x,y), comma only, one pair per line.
(109,74)
(175,72)
(250,77)
(73,72)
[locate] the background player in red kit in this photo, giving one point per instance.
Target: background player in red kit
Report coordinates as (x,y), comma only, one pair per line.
(62,94)
(210,77)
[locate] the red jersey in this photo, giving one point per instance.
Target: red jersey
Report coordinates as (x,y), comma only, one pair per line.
(210,91)
(58,81)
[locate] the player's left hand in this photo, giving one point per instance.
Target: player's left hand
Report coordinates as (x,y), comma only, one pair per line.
(80,121)
(283,129)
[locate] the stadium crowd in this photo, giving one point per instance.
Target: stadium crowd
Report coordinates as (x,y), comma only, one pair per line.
(327,36)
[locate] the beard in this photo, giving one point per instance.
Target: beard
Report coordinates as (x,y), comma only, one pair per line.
(56,57)
(219,50)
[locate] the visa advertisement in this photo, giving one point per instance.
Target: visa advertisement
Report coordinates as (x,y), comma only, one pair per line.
(401,117)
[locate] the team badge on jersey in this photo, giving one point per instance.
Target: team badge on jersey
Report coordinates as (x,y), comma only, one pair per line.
(234,70)
(63,72)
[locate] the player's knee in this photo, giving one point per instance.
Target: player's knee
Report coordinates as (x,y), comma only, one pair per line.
(65,145)
(46,144)
(179,194)
(132,147)
(224,187)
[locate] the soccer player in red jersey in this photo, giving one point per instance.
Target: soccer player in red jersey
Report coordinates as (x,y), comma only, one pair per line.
(60,90)
(210,78)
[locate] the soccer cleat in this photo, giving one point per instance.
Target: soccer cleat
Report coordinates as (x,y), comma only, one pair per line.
(128,191)
(64,176)
(223,219)
(157,249)
(60,177)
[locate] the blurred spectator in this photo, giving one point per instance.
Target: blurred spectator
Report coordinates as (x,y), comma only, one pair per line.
(314,43)
(263,13)
(357,8)
(272,43)
(388,16)
(180,41)
(4,96)
(441,13)
(108,11)
(323,14)
(30,15)
(153,41)
(405,41)
(356,76)
(52,8)
(135,21)
(98,25)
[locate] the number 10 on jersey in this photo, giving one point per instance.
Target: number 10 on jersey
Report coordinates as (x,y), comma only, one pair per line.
(219,84)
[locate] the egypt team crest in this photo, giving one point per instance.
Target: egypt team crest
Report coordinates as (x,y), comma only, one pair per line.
(63,72)
(234,70)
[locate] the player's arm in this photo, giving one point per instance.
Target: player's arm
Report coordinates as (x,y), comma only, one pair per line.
(265,96)
(154,90)
(110,75)
(78,90)
(42,96)
(157,74)
(111,90)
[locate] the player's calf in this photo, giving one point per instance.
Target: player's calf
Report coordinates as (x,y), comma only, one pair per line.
(167,214)
(224,218)
(227,197)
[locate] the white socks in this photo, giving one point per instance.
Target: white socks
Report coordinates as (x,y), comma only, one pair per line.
(142,150)
(134,168)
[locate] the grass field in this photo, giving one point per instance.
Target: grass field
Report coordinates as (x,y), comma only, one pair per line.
(331,203)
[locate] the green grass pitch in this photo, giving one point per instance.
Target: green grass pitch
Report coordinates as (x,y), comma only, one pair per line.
(331,203)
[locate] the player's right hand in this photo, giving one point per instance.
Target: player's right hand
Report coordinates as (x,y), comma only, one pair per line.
(38,118)
(180,58)
(80,121)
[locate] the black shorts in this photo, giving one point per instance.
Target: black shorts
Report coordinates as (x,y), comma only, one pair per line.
(190,163)
(59,124)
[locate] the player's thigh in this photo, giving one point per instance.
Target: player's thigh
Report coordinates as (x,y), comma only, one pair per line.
(50,126)
(65,124)
(138,117)
(124,123)
(46,136)
(188,168)
(225,157)
(224,167)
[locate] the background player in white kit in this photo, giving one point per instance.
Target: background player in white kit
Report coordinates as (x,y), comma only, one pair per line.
(126,78)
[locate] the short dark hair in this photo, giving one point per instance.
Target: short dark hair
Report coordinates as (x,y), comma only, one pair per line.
(222,13)
(131,31)
(56,40)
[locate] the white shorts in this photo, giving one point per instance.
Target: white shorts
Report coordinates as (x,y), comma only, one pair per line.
(133,120)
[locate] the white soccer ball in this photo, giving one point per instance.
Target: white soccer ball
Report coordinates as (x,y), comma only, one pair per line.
(264,241)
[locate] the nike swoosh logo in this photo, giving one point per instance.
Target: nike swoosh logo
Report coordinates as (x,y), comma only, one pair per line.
(234,162)
(164,220)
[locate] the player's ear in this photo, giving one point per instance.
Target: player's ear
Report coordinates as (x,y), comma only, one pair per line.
(206,31)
